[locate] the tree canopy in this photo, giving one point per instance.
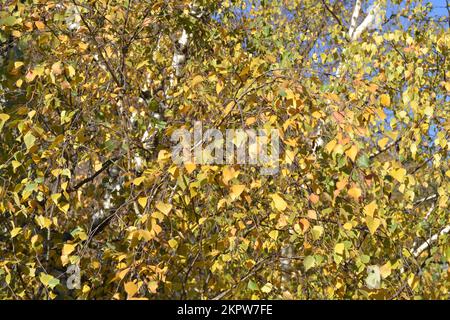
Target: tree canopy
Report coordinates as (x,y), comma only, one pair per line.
(92,91)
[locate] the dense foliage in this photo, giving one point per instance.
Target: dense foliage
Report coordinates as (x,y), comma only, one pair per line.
(359,208)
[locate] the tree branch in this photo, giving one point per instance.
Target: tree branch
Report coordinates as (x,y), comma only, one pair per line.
(429,241)
(355,16)
(105,166)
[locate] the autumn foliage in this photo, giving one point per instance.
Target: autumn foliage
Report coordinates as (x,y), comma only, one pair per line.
(358,210)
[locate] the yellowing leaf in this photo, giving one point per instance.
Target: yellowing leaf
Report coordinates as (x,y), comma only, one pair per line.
(3,118)
(196,80)
(219,87)
(68,249)
(383,142)
(152,286)
(352,152)
(190,167)
(385,270)
(228,174)
(273,234)
(71,71)
(29,140)
(173,243)
(279,202)
(143,201)
(429,111)
(164,207)
(14,232)
(317,232)
(236,191)
(348,226)
(372,224)
(370,208)
(385,100)
(339,248)
(48,280)
(131,289)
(163,155)
(139,180)
(267,287)
(57,68)
(355,193)
(40,25)
(399,174)
(330,146)
(309,262)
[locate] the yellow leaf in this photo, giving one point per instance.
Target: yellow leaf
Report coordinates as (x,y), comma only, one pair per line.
(40,25)
(339,248)
(219,87)
(273,234)
(317,232)
(190,167)
(385,270)
(399,174)
(228,174)
(355,193)
(3,118)
(71,71)
(173,243)
(138,180)
(385,100)
(279,202)
(57,68)
(14,232)
(330,146)
(163,155)
(352,152)
(348,226)
(267,287)
(196,80)
(289,157)
(370,208)
(372,224)
(164,207)
(383,142)
(68,249)
(29,140)
(228,108)
(123,273)
(429,111)
(152,286)
(143,201)
(130,288)
(236,191)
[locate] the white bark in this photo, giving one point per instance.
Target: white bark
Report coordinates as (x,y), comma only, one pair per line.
(424,246)
(372,21)
(179,57)
(355,17)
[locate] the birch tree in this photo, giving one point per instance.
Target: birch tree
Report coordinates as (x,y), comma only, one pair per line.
(92,92)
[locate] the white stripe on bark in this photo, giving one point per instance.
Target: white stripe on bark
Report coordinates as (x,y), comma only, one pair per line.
(424,246)
(355,17)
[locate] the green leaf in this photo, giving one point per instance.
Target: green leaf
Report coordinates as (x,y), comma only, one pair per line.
(29,140)
(48,280)
(252,285)
(309,262)
(363,161)
(8,21)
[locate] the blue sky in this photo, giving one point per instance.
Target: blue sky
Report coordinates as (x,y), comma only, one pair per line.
(439,7)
